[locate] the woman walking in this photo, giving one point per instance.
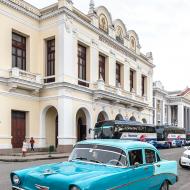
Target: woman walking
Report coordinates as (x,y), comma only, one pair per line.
(24,148)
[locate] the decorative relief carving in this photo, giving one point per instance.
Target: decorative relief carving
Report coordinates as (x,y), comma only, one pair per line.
(68,23)
(118,48)
(94,43)
(103,23)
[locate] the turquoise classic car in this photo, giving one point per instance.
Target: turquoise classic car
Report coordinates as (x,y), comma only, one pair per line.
(102,165)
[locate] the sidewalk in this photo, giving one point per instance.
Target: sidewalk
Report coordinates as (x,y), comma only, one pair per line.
(32,157)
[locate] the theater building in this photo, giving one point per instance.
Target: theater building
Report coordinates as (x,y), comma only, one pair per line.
(62,70)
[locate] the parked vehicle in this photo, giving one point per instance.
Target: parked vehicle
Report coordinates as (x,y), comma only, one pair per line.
(124,129)
(160,144)
(102,165)
(185,158)
(174,136)
(187,142)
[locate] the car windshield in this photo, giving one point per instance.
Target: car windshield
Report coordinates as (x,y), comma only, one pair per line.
(99,154)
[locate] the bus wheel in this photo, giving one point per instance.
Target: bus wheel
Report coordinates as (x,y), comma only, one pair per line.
(165,186)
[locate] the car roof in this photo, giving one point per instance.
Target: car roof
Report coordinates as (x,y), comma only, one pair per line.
(123,144)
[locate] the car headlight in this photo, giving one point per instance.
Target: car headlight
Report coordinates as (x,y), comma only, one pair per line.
(185,155)
(74,188)
(16,179)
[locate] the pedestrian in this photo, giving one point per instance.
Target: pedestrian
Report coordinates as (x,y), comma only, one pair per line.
(32,143)
(24,148)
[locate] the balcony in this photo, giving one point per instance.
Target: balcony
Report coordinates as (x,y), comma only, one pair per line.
(118,95)
(24,80)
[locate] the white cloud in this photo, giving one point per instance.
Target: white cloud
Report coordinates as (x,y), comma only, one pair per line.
(163,28)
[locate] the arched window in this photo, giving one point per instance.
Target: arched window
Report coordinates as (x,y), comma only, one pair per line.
(119,117)
(103,23)
(132,118)
(119,34)
(133,43)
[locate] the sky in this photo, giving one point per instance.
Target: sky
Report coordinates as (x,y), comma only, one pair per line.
(163,27)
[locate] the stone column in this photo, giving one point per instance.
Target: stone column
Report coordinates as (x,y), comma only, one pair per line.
(66,124)
(155,111)
(138,87)
(185,117)
(163,112)
(66,51)
(169,115)
(180,115)
(188,118)
(112,69)
(94,62)
(126,83)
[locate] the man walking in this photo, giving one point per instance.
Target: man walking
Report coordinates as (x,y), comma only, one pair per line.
(32,143)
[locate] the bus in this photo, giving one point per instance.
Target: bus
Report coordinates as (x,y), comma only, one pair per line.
(124,129)
(187,139)
(172,136)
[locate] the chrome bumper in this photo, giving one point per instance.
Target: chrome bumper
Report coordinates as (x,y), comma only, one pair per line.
(17,188)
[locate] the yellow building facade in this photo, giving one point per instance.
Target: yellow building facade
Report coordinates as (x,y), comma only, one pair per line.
(61,71)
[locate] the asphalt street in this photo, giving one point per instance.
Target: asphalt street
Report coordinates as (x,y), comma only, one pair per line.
(170,154)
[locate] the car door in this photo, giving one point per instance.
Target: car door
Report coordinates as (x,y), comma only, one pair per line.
(152,160)
(140,172)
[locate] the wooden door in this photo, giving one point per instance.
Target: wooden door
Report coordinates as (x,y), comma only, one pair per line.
(18,130)
(81,131)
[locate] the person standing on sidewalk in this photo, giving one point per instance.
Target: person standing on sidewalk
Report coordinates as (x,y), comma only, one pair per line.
(32,143)
(24,148)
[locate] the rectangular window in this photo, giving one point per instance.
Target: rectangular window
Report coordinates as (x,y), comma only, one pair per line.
(150,156)
(50,65)
(135,157)
(102,61)
(143,85)
(131,80)
(82,65)
(18,51)
(118,74)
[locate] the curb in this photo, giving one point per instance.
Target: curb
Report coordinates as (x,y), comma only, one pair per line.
(32,159)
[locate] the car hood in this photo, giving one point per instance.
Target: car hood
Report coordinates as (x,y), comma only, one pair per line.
(74,168)
(187,152)
(67,173)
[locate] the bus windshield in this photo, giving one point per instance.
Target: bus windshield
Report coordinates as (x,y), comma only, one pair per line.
(129,130)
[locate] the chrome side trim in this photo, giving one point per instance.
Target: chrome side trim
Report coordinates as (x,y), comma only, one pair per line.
(17,188)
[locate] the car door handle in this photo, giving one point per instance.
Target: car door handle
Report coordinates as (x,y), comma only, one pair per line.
(158,165)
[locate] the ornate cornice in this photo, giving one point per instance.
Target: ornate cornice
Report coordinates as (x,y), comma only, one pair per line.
(35,13)
(23,7)
(108,38)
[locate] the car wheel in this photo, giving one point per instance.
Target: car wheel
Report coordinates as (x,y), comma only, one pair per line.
(165,186)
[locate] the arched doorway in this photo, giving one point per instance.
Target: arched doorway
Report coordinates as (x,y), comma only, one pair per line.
(102,116)
(132,118)
(51,126)
(81,122)
(119,117)
(144,120)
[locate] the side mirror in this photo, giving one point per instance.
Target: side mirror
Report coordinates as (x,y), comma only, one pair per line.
(187,148)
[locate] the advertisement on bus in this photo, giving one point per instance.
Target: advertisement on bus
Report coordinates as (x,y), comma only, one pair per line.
(139,136)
